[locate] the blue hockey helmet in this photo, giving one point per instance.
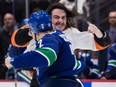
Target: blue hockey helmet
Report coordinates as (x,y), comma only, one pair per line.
(24,21)
(40,21)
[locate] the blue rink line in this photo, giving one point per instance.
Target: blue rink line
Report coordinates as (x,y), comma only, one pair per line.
(99,83)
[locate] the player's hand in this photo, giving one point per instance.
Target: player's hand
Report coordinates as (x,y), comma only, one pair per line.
(103,78)
(7,62)
(94,30)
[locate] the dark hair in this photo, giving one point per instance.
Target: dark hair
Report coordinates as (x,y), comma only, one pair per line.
(69,14)
(59,6)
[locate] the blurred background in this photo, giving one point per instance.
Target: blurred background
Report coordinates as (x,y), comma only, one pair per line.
(96,11)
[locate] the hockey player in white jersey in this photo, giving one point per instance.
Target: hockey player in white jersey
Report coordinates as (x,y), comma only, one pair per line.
(94,39)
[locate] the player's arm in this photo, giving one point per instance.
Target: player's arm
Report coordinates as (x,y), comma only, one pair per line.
(20,37)
(102,39)
(41,57)
(94,39)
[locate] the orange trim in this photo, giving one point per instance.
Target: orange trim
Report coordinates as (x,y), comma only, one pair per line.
(13,38)
(25,26)
(98,47)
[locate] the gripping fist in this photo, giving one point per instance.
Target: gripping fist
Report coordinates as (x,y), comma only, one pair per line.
(7,62)
(94,30)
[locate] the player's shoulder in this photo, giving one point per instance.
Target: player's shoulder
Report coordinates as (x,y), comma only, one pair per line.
(114,45)
(112,48)
(56,36)
(71,30)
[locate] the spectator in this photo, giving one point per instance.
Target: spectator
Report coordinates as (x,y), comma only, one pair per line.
(103,55)
(112,29)
(5,34)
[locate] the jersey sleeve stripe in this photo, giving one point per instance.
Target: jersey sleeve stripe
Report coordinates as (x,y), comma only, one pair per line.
(98,47)
(48,54)
(44,56)
(78,64)
(112,63)
(51,50)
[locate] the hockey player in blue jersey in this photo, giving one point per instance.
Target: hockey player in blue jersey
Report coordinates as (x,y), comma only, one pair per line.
(92,71)
(55,62)
(110,72)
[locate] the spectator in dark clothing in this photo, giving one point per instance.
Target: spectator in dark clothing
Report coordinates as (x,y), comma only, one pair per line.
(5,35)
(112,30)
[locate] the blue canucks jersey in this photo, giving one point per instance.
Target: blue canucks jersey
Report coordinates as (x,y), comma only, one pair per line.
(53,57)
(112,59)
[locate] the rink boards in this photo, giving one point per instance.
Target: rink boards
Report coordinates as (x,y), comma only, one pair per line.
(99,83)
(9,83)
(87,83)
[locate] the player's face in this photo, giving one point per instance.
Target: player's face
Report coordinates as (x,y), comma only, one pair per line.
(35,36)
(31,33)
(59,19)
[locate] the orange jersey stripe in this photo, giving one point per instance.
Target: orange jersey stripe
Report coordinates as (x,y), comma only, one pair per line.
(13,42)
(98,47)
(25,26)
